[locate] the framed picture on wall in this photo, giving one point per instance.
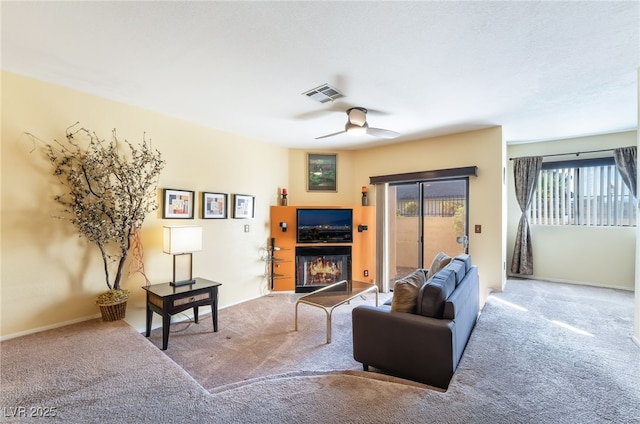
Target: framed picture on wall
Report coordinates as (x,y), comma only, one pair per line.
(178,204)
(243,206)
(214,205)
(322,172)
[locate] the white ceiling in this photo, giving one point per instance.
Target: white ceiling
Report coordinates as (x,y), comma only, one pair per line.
(542,70)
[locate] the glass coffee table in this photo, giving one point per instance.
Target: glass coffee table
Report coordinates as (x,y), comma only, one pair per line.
(334,295)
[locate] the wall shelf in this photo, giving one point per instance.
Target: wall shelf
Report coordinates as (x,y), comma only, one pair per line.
(274,262)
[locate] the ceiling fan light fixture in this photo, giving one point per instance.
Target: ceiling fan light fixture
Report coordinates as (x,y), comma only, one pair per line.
(357,125)
(356,130)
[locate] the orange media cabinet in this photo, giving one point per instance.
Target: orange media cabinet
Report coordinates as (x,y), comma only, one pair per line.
(363,247)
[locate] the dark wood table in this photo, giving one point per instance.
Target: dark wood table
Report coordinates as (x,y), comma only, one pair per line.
(168,300)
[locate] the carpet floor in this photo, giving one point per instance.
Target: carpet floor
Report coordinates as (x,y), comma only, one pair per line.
(258,338)
(541,352)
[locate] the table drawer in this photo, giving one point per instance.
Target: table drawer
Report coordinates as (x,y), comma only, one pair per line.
(191,299)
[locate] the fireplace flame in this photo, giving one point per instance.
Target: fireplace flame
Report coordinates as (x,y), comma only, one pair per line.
(320,266)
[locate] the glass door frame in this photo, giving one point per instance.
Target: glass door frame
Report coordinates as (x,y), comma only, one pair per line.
(385,239)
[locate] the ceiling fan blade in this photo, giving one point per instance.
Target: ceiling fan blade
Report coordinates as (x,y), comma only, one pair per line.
(379,132)
(330,135)
(337,106)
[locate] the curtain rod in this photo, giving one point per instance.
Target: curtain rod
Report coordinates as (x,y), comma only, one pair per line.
(576,153)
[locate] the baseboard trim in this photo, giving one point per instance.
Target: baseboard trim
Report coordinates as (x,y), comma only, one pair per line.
(48,327)
(175,318)
(561,281)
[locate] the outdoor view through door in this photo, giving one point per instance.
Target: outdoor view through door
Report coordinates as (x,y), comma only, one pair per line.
(418,230)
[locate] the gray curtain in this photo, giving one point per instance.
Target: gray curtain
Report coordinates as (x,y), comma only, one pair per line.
(525,172)
(627,164)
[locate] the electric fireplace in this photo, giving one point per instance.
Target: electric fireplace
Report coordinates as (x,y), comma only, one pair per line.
(320,266)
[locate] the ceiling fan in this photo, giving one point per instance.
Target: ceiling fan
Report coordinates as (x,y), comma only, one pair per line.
(357,125)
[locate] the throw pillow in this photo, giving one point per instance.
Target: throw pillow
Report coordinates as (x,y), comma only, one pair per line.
(439,261)
(405,292)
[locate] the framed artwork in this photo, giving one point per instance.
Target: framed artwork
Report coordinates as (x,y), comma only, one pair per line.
(177,203)
(321,172)
(214,205)
(243,206)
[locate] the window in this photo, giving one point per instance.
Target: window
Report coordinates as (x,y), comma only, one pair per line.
(588,192)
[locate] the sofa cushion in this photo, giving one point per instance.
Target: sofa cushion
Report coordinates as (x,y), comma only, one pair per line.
(448,278)
(433,294)
(459,269)
(405,292)
(465,259)
(439,261)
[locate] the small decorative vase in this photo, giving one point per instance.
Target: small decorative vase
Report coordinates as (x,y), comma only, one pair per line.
(284,202)
(365,199)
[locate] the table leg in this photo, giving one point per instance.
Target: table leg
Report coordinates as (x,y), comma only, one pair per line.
(214,309)
(195,314)
(329,313)
(166,323)
(149,320)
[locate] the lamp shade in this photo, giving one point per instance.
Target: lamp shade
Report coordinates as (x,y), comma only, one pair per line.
(177,240)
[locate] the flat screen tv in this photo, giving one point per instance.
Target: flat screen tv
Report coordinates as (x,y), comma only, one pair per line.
(324,226)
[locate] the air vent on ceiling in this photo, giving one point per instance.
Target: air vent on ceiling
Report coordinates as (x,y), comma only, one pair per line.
(323,94)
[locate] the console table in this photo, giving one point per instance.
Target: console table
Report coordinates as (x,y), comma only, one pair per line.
(168,300)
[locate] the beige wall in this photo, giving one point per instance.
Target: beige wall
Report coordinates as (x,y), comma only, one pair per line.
(575,254)
(50,276)
(484,149)
(347,192)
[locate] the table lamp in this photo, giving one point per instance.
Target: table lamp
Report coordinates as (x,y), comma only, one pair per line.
(181,242)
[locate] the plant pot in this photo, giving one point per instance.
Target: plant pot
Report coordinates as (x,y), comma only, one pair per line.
(113,311)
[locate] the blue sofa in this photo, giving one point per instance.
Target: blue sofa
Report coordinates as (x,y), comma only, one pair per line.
(425,344)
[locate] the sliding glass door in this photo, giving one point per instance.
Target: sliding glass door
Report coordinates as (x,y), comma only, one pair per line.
(424,218)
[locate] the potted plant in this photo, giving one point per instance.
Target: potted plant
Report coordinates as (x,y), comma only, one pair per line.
(110,187)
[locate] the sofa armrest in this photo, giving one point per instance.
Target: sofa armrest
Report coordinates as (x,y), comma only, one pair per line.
(463,307)
(408,345)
